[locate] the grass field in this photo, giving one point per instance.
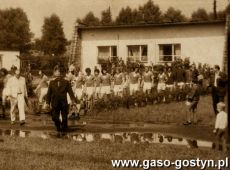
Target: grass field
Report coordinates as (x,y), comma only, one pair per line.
(58,154)
(174,112)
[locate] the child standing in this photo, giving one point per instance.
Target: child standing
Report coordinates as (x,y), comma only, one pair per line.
(193,100)
(221,126)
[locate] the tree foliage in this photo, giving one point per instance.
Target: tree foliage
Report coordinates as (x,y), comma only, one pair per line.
(137,16)
(125,16)
(14,30)
(200,15)
(90,19)
(106,17)
(151,12)
(173,15)
(228,9)
(53,39)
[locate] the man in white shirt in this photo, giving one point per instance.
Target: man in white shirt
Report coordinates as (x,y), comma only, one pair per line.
(17,93)
(42,89)
(221,126)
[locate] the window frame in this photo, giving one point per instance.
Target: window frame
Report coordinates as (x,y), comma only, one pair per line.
(173,55)
(140,56)
(100,59)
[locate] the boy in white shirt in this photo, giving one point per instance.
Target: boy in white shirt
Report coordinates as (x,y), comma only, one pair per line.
(221,126)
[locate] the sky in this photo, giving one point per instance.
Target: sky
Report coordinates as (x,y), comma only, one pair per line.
(70,10)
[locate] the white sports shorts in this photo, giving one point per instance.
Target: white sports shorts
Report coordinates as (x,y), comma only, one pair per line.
(118,88)
(78,92)
(133,87)
(161,86)
(105,90)
(89,91)
(147,86)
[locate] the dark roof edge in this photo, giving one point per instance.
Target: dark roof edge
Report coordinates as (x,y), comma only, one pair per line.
(83,27)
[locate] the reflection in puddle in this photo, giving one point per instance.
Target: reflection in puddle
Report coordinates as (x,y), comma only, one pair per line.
(117,137)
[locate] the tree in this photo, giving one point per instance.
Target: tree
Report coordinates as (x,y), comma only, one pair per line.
(124,16)
(53,38)
(228,9)
(106,17)
(219,15)
(91,20)
(151,12)
(173,15)
(200,15)
(14,30)
(37,44)
(137,16)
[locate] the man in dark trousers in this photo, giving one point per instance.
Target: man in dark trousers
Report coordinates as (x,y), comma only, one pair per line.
(57,97)
(218,83)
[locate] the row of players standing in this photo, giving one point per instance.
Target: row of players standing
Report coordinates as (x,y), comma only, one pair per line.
(119,82)
(105,82)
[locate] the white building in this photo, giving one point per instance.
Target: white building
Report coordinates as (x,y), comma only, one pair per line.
(9,58)
(202,42)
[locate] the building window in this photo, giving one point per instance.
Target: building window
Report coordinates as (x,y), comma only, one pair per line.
(105,53)
(138,53)
(168,52)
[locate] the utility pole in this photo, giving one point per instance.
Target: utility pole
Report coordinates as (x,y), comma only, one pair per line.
(214,9)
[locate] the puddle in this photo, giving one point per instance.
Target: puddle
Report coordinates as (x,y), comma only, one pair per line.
(115,137)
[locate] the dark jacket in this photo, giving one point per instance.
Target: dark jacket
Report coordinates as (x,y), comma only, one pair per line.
(57,93)
(170,78)
(180,75)
(220,90)
(195,74)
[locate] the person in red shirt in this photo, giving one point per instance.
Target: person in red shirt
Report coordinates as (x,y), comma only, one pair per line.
(134,81)
(97,84)
(118,82)
(147,80)
(89,88)
(105,83)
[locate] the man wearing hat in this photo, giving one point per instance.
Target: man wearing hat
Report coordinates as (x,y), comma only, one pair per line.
(17,93)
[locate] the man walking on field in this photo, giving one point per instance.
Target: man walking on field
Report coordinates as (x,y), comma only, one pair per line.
(18,94)
(57,97)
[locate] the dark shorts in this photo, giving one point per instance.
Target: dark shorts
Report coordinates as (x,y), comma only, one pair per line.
(221,134)
(193,106)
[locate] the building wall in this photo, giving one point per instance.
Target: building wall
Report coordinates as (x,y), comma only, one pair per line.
(9,58)
(202,43)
